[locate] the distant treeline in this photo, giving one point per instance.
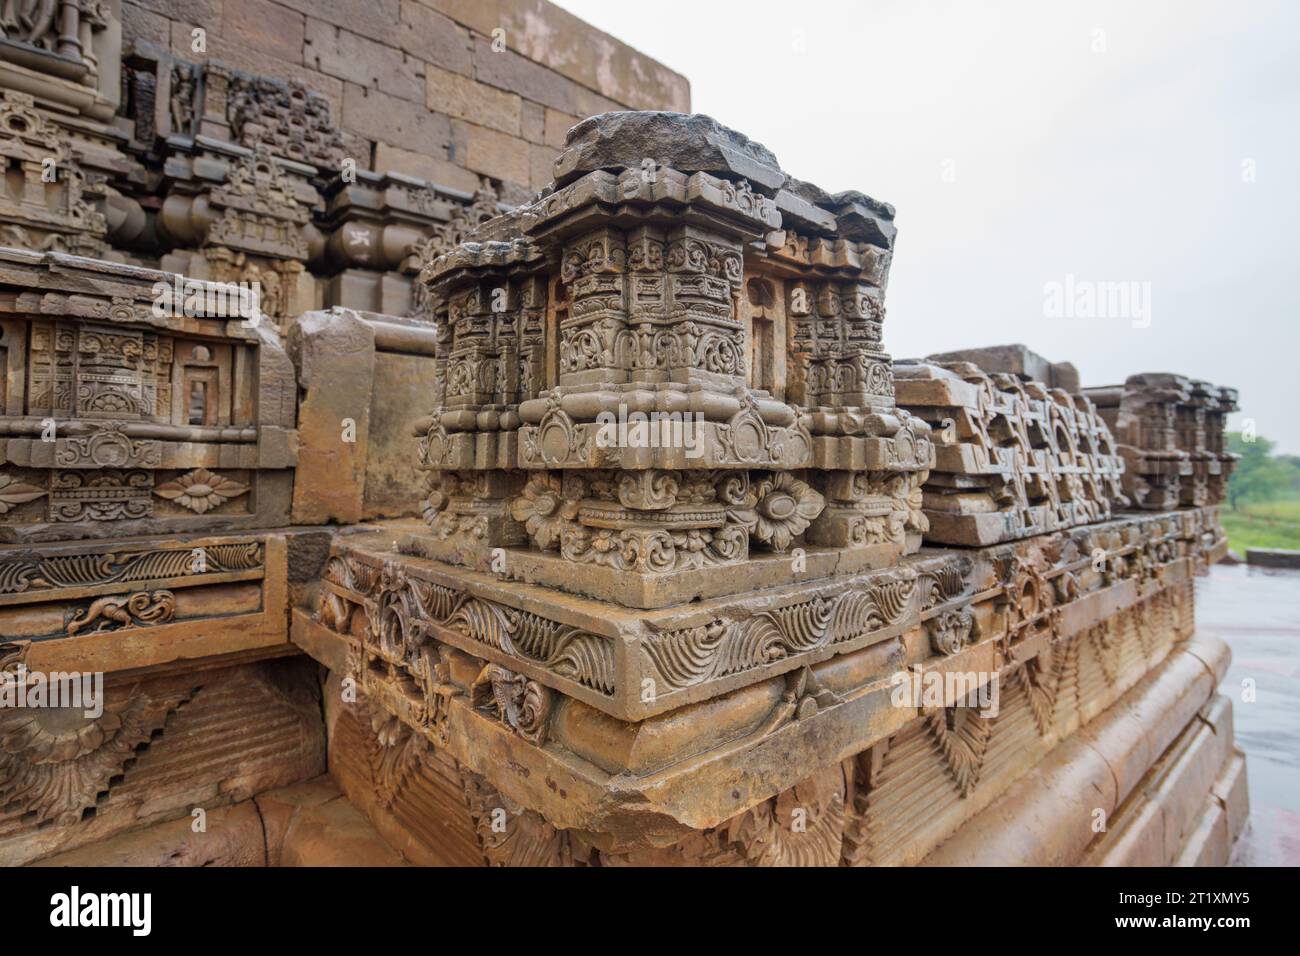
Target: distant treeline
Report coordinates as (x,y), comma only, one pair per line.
(1260,475)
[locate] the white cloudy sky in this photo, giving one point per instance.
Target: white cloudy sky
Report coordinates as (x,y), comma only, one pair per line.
(1119,165)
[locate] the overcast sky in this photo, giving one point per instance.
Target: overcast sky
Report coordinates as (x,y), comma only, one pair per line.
(1022,143)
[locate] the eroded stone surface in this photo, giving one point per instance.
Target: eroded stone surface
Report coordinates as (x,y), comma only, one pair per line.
(688,142)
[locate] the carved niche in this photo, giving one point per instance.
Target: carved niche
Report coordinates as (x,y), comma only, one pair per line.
(115,410)
(48,202)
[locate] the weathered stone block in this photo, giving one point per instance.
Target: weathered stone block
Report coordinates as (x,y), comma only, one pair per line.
(338,52)
(461,97)
(261,25)
(554,37)
(334,354)
(383,118)
(492,153)
(434,38)
(557,127)
(435,169)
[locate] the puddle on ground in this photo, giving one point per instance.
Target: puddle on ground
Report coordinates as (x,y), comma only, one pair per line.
(1257,612)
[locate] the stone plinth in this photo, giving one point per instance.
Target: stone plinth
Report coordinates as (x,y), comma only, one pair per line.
(637,728)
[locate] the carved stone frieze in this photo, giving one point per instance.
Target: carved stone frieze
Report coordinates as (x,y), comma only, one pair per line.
(26,573)
(637,664)
(1012,458)
(50,202)
(135,399)
(1170,431)
(140,609)
(1064,630)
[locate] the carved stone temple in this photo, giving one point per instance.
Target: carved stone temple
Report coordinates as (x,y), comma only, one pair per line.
(569,510)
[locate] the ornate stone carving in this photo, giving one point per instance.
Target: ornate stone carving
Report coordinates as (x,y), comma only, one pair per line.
(104,495)
(50,202)
(286,119)
(519,703)
(1013,458)
(129,382)
(963,738)
(201,490)
(25,573)
(544,512)
(512,835)
(1170,431)
(107,447)
(950,631)
(258,210)
(141,609)
(649,371)
(54,762)
(802,826)
(781,509)
(14,492)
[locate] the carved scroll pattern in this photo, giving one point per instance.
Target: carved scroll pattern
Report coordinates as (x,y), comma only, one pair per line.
(682,658)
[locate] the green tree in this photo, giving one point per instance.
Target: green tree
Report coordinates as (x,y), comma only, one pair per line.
(1259,476)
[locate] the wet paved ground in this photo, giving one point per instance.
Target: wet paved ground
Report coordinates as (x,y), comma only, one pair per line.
(1257,611)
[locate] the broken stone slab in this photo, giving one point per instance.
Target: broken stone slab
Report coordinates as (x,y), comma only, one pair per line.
(1013,458)
(1273,557)
(850,214)
(688,142)
(1017,360)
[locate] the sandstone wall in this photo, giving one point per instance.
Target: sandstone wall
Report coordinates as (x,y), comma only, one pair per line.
(416,85)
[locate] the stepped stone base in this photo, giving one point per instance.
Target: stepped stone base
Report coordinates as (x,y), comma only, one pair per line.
(1147,770)
(1157,767)
(1106,717)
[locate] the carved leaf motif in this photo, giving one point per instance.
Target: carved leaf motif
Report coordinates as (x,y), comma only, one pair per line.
(201,490)
(14,492)
(55,771)
(511,835)
(963,746)
(802,826)
(394,752)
